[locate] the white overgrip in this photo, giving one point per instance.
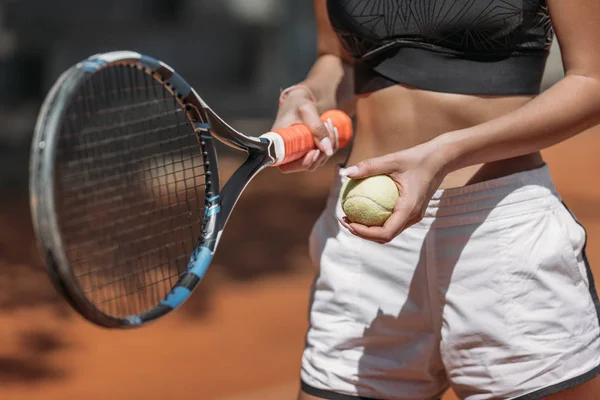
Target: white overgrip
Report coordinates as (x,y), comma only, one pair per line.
(278,146)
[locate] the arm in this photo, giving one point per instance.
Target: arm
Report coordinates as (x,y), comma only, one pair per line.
(330,80)
(565,110)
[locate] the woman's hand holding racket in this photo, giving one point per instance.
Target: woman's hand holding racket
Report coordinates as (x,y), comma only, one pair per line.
(299,106)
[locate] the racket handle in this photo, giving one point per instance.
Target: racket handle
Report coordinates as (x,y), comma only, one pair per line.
(293,142)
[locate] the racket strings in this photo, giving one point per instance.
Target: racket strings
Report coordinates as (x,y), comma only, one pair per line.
(129,186)
(134,231)
(132,274)
(128,137)
(115,93)
(124,260)
(113,183)
(79,221)
(117,188)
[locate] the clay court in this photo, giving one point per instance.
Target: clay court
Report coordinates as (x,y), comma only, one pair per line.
(241,335)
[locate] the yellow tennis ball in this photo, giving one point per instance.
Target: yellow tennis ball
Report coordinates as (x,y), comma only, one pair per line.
(369,201)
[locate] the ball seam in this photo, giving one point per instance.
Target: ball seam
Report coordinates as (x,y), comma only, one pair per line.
(370,199)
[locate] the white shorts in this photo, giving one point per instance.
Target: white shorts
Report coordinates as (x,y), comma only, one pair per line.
(490,293)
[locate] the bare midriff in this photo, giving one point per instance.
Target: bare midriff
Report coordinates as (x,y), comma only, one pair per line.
(400,117)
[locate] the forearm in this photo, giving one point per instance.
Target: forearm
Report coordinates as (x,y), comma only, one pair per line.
(330,80)
(566,109)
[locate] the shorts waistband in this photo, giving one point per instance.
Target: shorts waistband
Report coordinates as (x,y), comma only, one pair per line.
(502,197)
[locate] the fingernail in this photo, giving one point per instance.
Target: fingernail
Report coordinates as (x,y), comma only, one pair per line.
(349,171)
(316,155)
(346,225)
(329,125)
(326,143)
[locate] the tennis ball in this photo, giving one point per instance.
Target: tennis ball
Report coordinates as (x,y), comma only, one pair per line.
(369,201)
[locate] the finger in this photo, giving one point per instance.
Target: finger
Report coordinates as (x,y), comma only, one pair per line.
(322,160)
(390,229)
(333,134)
(372,166)
(345,223)
(317,161)
(310,159)
(302,164)
(321,135)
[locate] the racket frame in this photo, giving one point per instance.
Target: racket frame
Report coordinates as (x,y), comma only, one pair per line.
(218,203)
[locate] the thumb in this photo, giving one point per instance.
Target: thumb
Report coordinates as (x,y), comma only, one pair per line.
(373,166)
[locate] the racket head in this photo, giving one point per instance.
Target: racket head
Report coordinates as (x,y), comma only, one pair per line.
(57,152)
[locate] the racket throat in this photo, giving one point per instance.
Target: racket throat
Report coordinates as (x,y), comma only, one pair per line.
(226,134)
(232,191)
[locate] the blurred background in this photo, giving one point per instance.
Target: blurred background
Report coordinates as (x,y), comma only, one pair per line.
(241,335)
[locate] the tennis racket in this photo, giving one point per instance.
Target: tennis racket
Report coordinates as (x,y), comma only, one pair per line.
(124,185)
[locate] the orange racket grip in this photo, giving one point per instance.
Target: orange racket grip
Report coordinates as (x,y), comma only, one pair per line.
(293,142)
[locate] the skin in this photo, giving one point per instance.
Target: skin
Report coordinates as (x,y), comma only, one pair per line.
(427,140)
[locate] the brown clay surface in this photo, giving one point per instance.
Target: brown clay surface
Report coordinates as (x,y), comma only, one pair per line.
(241,335)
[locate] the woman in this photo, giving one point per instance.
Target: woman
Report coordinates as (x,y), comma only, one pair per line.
(478,281)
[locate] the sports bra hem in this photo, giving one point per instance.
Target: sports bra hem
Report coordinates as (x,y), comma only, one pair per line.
(391,46)
(450,73)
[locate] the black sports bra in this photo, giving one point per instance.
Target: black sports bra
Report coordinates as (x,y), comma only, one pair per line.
(458,46)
